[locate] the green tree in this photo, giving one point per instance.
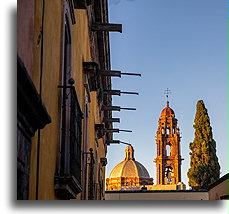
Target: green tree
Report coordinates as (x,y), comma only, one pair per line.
(204,165)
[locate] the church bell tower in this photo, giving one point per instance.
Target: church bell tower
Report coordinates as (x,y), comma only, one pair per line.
(168,160)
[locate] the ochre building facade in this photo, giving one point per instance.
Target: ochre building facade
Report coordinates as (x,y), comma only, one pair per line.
(62,140)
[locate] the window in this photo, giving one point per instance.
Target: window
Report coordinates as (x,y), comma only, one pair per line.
(168,174)
(163,131)
(168,152)
(68,175)
(167,130)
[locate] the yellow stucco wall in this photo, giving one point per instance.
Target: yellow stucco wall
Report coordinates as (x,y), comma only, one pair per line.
(80,52)
(51,70)
(51,78)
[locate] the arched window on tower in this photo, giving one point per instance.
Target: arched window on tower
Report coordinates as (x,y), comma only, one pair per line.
(168,174)
(167,130)
(168,150)
(163,131)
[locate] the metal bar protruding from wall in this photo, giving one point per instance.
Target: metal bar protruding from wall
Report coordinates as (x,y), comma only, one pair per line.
(118,92)
(131,74)
(127,92)
(115,108)
(112,120)
(117,142)
(98,26)
(128,108)
(117,130)
(115,73)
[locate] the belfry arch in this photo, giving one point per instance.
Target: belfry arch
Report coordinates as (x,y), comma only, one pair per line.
(168,150)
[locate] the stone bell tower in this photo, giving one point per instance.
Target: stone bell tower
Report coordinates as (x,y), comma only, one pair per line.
(168,160)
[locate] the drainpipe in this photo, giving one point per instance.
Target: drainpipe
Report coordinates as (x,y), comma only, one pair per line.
(85,150)
(40,39)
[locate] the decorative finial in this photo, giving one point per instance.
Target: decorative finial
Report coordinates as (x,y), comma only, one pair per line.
(167,92)
(167,103)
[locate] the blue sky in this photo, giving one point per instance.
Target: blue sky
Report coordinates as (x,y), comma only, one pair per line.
(180,45)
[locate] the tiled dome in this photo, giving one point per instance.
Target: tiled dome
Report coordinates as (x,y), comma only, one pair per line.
(167,111)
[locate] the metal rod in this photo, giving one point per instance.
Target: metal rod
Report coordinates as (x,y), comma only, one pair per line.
(111,130)
(118,92)
(116,73)
(115,141)
(124,92)
(128,108)
(117,130)
(111,108)
(98,26)
(118,142)
(112,120)
(116,108)
(125,143)
(112,92)
(110,73)
(132,74)
(123,130)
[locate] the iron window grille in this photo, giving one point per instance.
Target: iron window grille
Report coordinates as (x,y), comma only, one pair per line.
(91,189)
(68,176)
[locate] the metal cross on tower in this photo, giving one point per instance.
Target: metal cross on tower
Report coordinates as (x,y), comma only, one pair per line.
(167,92)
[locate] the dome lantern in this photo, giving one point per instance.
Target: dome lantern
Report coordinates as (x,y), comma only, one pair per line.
(129,153)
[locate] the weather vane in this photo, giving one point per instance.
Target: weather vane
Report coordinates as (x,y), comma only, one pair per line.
(167,92)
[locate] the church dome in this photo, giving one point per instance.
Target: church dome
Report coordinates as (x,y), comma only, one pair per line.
(129,167)
(128,174)
(167,111)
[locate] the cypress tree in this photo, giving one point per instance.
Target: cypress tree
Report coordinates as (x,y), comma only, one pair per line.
(204,165)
